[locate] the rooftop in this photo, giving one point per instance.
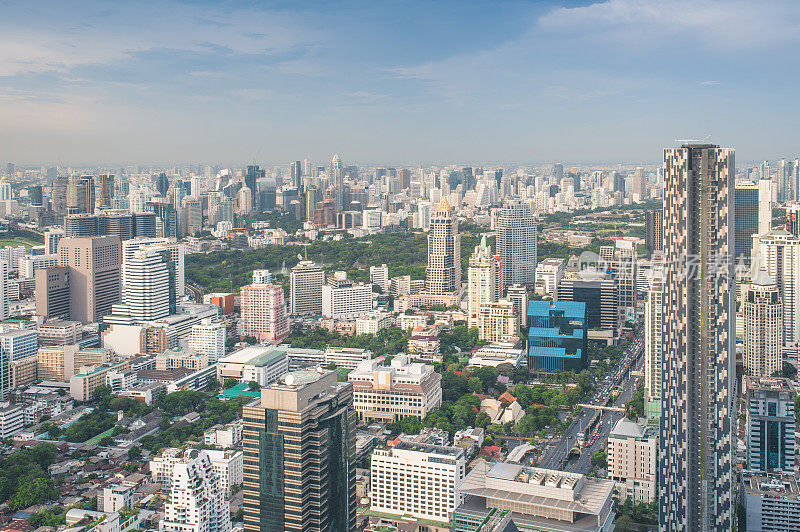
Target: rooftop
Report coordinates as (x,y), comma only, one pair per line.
(625,428)
(255,356)
(771,485)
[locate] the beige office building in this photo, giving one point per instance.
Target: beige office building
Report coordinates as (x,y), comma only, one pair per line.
(632,461)
(497,322)
(86,282)
(389,393)
(59,363)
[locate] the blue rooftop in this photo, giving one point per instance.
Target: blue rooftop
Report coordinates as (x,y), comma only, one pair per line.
(572,309)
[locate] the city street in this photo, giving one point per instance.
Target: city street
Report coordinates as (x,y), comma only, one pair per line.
(556,454)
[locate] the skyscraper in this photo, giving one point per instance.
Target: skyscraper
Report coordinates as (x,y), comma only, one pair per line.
(264,312)
(162,184)
(443,274)
(483,280)
(197,501)
(296,175)
(654,230)
(695,444)
(779,253)
(148,290)
(516,243)
(336,179)
(105,190)
(770,423)
(80,194)
(305,289)
(86,282)
(746,198)
(763,324)
(653,347)
(251,176)
(299,444)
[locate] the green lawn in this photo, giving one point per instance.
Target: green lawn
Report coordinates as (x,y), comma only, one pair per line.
(18,242)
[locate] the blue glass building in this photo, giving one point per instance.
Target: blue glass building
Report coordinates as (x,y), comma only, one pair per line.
(557,335)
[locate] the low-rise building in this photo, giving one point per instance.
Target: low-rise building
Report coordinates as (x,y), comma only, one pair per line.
(346,357)
(539,499)
(373,323)
(771,501)
(89,378)
(23,371)
(632,461)
(388,393)
(262,364)
(224,436)
(11,420)
(58,332)
(178,358)
(424,343)
(417,480)
(498,353)
(19,344)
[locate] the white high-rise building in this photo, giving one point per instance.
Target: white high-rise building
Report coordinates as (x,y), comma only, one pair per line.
(344,299)
(208,337)
(147,289)
(417,479)
(516,243)
(763,324)
(549,273)
(197,502)
(262,277)
(305,289)
(764,206)
(483,280)
(653,346)
(176,251)
(379,275)
(779,253)
(51,239)
(4,267)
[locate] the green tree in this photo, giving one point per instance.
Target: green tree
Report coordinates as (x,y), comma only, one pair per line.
(229,382)
(410,425)
(134,453)
(106,441)
(475,385)
(253,386)
(33,491)
(599,460)
(625,524)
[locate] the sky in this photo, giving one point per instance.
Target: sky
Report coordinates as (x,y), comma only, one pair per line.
(403,82)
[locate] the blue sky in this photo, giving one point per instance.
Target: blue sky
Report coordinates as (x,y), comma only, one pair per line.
(395,82)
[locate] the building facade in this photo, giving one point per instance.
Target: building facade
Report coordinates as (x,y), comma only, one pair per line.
(557,337)
(517,236)
(389,393)
(264,312)
(299,442)
(763,325)
(696,430)
(632,461)
(443,274)
(770,424)
(305,289)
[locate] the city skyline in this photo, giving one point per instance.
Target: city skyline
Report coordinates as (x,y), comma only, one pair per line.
(531,82)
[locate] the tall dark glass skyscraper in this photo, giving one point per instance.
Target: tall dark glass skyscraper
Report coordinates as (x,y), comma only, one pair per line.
(745,217)
(299,444)
(695,444)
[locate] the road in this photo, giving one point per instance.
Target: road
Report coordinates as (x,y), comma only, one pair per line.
(194,292)
(556,454)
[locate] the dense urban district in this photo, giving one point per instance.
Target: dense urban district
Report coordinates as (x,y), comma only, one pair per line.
(454,348)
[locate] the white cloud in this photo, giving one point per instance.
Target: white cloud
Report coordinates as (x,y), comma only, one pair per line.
(645,24)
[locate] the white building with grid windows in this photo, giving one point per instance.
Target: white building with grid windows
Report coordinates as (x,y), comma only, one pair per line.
(197,502)
(208,337)
(417,479)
